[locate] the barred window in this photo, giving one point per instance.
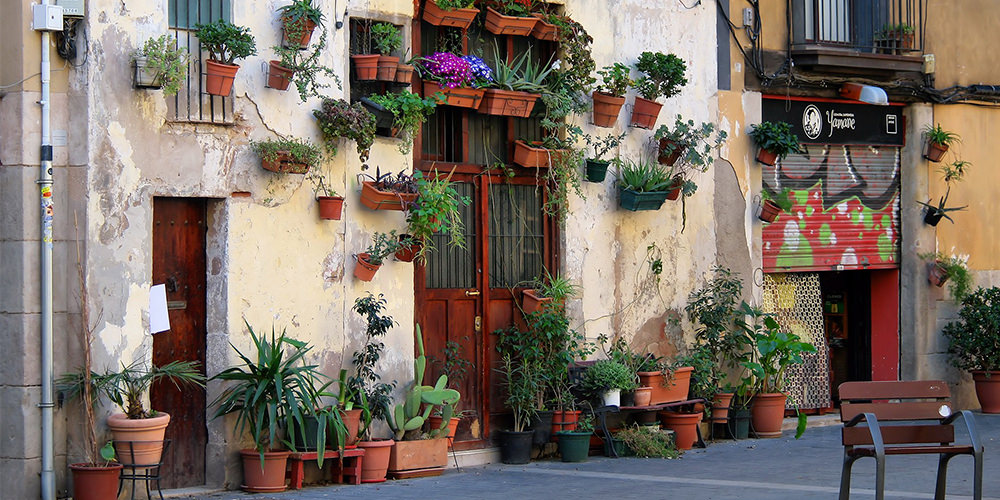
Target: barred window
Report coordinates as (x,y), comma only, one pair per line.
(192,103)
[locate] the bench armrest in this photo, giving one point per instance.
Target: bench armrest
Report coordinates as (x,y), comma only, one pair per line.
(873,429)
(970,425)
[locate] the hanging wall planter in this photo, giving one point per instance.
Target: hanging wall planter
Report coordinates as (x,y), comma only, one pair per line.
(219,77)
(769,211)
(278,76)
(462,97)
(767,157)
(641,200)
(365,270)
(303,27)
(597,170)
(387,68)
(534,157)
(365,66)
(330,207)
(284,164)
(645,112)
(404,74)
(377,199)
(408,250)
(456,18)
(675,188)
(499,24)
(145,77)
(499,102)
(668,152)
(544,30)
(606,109)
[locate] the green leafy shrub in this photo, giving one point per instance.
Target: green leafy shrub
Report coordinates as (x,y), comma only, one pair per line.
(169,61)
(607,374)
(386,37)
(225,41)
(776,137)
(664,75)
(300,150)
(409,111)
(338,118)
(973,342)
(615,79)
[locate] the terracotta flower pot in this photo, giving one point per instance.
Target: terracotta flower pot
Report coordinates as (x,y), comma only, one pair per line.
(284,164)
(936,274)
(140,440)
(499,24)
(676,389)
(376,462)
(95,481)
(643,395)
(684,425)
(278,76)
(767,412)
(219,77)
(534,156)
(296,27)
(499,102)
(935,152)
(387,68)
(669,152)
(435,423)
(409,252)
(419,454)
(674,189)
(377,199)
(766,157)
(544,30)
(645,112)
(457,18)
(404,74)
(720,406)
(462,97)
(988,390)
(330,207)
(365,66)
(365,270)
(769,211)
(352,421)
(266,477)
(564,420)
(606,109)
(532,302)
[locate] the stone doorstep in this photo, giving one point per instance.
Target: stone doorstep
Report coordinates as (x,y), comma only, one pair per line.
(827,420)
(473,458)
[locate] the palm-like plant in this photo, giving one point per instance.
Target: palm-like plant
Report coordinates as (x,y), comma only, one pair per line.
(276,388)
(127,387)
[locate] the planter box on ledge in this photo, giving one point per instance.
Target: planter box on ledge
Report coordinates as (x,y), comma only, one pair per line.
(420,458)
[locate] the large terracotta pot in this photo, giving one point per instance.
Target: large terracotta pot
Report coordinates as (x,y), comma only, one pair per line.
(418,454)
(606,108)
(988,390)
(684,425)
(456,18)
(95,481)
(676,390)
(138,441)
(376,462)
(767,412)
(564,421)
(219,77)
(645,112)
(269,477)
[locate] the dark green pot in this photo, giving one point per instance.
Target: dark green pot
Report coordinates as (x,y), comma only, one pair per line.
(634,200)
(738,426)
(621,449)
(574,446)
(597,170)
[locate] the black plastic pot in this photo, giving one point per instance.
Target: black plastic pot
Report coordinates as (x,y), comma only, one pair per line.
(597,170)
(627,398)
(932,217)
(515,447)
(541,426)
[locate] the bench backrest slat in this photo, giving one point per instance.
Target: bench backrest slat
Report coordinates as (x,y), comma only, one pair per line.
(900,434)
(917,389)
(921,410)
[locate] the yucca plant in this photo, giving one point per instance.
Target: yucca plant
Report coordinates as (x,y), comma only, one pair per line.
(126,388)
(276,389)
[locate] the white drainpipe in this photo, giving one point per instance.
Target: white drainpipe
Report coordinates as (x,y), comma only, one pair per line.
(45,188)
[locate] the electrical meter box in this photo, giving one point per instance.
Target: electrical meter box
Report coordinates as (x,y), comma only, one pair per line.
(71,8)
(45,17)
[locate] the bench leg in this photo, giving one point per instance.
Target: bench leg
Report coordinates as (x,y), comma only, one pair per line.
(296,474)
(942,476)
(845,478)
(880,478)
(977,478)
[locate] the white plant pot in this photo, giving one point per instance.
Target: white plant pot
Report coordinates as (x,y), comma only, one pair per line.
(613,397)
(146,78)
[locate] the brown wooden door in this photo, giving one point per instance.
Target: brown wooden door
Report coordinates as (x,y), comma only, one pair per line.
(464,295)
(179,229)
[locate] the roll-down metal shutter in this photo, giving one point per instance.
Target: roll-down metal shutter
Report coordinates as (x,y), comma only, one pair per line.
(845,212)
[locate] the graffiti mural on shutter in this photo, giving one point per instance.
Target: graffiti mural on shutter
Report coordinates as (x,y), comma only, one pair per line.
(845,212)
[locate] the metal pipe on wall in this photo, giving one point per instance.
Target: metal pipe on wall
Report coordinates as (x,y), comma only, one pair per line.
(45,190)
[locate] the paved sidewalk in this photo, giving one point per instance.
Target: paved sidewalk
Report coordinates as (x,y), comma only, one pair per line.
(771,469)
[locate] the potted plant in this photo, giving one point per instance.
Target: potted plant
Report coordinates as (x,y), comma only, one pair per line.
(538,154)
(371,259)
(452,76)
(388,192)
(548,290)
(513,18)
(610,95)
(646,442)
(161,64)
(953,270)
(408,111)
(597,167)
(642,185)
(691,147)
(522,386)
(301,68)
(265,393)
(287,156)
(895,38)
(773,204)
(298,20)
(972,344)
(774,351)
(387,39)
(938,142)
(436,210)
(684,425)
(454,366)
(515,86)
(775,140)
(331,205)
(127,388)
(663,76)
(574,445)
(370,393)
(338,119)
(225,43)
(950,173)
(607,378)
(417,448)
(450,13)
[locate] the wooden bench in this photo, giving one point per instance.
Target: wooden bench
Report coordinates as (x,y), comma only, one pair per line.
(350,469)
(903,418)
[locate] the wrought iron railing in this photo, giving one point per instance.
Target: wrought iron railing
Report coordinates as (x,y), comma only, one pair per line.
(874,26)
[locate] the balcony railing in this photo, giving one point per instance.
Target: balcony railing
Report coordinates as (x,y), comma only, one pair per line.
(872,26)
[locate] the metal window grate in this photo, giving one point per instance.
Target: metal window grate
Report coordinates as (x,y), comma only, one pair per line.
(192,104)
(865,25)
(517,239)
(453,267)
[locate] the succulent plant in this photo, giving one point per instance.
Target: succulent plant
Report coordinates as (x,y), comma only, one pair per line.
(406,419)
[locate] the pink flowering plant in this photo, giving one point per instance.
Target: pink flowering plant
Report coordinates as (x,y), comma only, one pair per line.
(447,69)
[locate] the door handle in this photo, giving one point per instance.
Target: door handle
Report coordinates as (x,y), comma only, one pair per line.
(472,293)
